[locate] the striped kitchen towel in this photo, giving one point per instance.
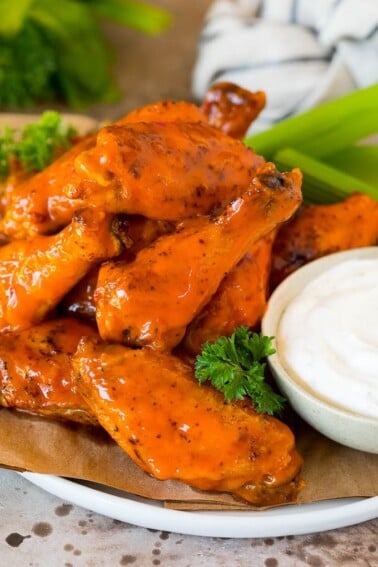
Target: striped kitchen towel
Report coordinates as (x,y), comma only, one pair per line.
(300,52)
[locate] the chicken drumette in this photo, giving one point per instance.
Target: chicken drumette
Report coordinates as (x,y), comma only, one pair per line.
(151,301)
(36,274)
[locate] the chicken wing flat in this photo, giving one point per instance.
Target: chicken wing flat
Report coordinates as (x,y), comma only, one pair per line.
(318,230)
(38,205)
(35,370)
(163,170)
(36,274)
(231,108)
(173,428)
(240,299)
(151,301)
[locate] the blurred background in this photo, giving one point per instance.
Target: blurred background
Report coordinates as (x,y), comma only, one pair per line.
(106,57)
(67,40)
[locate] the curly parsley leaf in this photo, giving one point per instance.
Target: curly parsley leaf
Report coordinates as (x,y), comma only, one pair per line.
(37,145)
(235,366)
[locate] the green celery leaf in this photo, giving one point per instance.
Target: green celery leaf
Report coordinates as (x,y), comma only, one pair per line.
(83,56)
(12,15)
(138,15)
(27,63)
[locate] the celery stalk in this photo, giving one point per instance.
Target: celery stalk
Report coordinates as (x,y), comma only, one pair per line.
(322,183)
(359,161)
(323,130)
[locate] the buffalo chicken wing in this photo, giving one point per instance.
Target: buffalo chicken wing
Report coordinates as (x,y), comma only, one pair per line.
(318,230)
(240,299)
(36,274)
(174,428)
(35,370)
(149,302)
(163,170)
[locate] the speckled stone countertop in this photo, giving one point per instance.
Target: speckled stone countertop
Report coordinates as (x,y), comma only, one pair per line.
(39,530)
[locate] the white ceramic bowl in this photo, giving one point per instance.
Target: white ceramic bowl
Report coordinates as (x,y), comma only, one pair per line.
(343,426)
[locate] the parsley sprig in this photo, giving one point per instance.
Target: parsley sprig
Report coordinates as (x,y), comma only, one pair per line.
(36,145)
(235,366)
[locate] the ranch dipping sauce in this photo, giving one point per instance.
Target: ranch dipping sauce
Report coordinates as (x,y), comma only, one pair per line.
(327,337)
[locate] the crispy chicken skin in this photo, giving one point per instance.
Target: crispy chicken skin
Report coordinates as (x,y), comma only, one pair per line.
(173,428)
(35,370)
(38,205)
(163,170)
(135,233)
(150,301)
(36,274)
(42,203)
(231,108)
(165,111)
(240,299)
(318,230)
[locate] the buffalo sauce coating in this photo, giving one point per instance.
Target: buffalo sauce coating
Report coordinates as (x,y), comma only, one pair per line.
(240,299)
(176,429)
(163,170)
(136,233)
(231,108)
(38,205)
(318,230)
(165,111)
(150,301)
(35,370)
(36,274)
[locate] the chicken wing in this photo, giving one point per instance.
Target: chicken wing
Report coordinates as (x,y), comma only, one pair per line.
(36,274)
(38,205)
(151,300)
(135,233)
(240,299)
(163,170)
(165,111)
(173,428)
(231,108)
(35,370)
(318,230)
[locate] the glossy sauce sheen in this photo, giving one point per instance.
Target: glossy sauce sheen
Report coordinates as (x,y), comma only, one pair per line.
(174,428)
(328,336)
(35,370)
(36,274)
(240,299)
(318,230)
(163,170)
(150,301)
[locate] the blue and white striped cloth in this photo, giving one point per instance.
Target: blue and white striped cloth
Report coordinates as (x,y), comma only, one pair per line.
(300,52)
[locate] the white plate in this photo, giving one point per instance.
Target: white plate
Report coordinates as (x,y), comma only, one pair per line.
(281,521)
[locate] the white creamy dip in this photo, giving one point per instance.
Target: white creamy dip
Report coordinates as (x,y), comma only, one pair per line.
(328,336)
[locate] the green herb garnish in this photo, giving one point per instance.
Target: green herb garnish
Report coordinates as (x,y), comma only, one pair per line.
(53,49)
(235,366)
(37,145)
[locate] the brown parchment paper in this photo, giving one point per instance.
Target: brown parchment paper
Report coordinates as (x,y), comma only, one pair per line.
(45,446)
